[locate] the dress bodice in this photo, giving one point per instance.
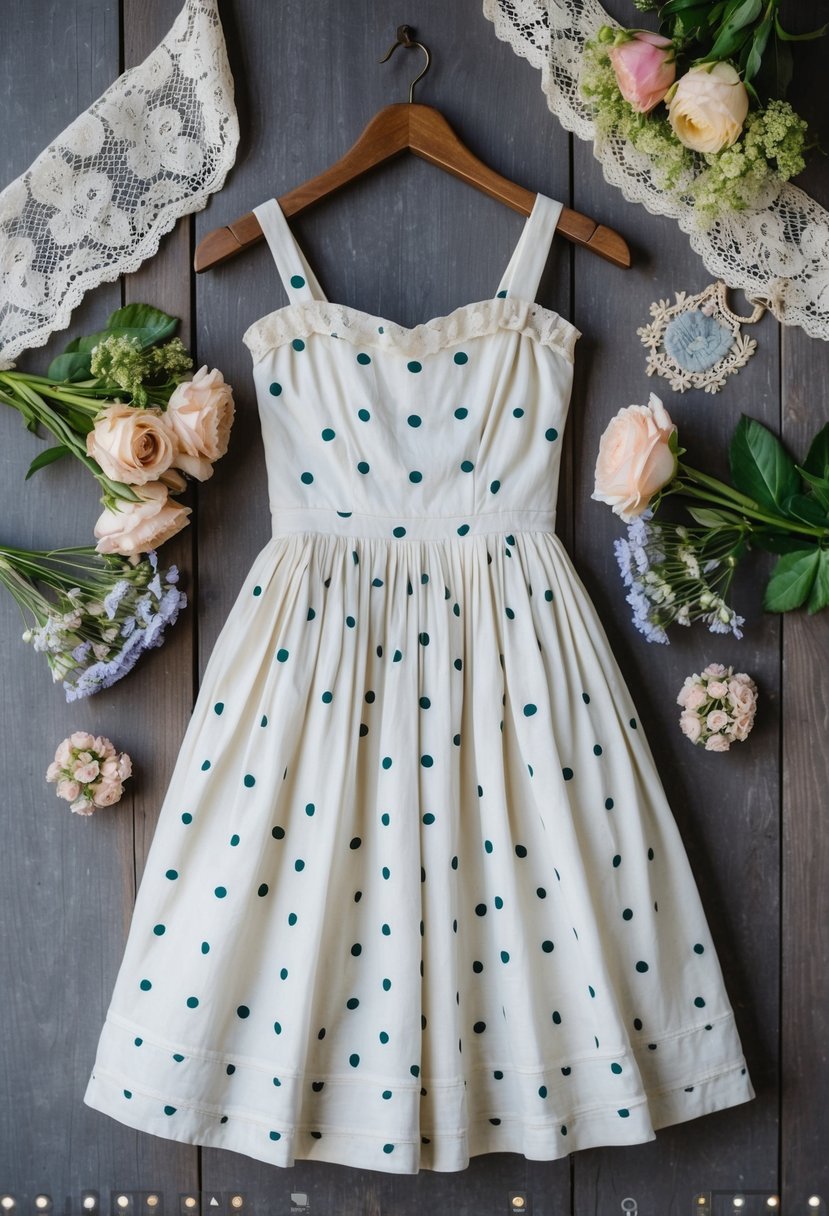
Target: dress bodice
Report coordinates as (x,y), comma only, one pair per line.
(448,428)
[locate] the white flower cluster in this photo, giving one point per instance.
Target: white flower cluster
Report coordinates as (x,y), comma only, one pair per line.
(718,707)
(89,772)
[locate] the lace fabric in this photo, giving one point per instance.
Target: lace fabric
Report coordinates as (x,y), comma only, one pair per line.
(777,253)
(95,203)
(363,329)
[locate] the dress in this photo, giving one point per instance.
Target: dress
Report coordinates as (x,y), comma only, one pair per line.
(415,892)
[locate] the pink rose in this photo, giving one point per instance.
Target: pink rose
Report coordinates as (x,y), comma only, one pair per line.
(714,669)
(199,416)
(137,527)
(81,740)
(54,771)
(716,688)
(742,726)
(124,766)
(64,753)
(131,444)
(690,725)
(696,697)
(82,806)
(717,743)
(68,790)
(86,772)
(103,747)
(645,68)
(107,793)
(717,719)
(635,458)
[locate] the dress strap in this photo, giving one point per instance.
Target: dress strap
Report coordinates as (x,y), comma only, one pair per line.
(297,277)
(526,266)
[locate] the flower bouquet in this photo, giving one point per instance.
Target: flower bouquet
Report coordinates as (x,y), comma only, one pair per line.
(678,573)
(703,99)
(88,771)
(718,707)
(123,402)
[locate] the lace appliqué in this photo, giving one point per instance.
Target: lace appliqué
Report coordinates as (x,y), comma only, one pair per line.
(95,203)
(778,254)
(363,329)
(697,342)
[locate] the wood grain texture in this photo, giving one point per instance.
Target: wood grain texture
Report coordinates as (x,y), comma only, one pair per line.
(409,243)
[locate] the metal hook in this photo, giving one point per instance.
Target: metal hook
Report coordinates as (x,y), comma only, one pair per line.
(405,37)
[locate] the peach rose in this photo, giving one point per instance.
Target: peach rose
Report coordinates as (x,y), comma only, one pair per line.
(716,688)
(68,790)
(708,107)
(717,719)
(717,743)
(690,725)
(131,445)
(696,697)
(83,806)
(140,526)
(742,725)
(645,68)
(107,793)
(81,740)
(199,416)
(86,772)
(635,458)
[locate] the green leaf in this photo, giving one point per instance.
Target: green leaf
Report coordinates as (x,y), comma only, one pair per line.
(820,588)
(71,366)
(781,33)
(677,6)
(757,49)
(775,73)
(47,457)
(791,580)
(151,324)
(775,542)
(690,19)
(733,31)
(760,465)
(710,517)
(800,506)
(819,487)
(817,458)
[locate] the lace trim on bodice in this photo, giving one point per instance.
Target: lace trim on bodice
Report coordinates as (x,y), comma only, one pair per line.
(363,329)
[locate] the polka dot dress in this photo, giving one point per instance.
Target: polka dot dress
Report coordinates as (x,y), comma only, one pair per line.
(415,893)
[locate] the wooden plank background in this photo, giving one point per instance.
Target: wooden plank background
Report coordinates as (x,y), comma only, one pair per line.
(408,243)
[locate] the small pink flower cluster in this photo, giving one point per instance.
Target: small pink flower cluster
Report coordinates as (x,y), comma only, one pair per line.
(89,772)
(718,707)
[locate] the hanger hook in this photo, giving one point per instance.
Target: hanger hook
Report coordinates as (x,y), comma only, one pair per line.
(405,37)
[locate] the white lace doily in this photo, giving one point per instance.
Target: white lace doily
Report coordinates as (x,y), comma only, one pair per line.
(96,202)
(777,254)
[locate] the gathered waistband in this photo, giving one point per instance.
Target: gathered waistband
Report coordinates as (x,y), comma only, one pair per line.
(407,527)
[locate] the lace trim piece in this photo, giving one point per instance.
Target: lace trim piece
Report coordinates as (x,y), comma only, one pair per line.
(363,329)
(778,254)
(96,203)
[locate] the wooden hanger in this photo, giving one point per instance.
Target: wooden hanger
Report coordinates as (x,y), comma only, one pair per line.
(424,131)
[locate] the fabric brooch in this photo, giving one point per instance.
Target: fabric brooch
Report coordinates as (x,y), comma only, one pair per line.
(696,342)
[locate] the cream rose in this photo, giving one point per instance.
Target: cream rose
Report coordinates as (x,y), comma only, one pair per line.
(635,458)
(140,526)
(690,725)
(131,445)
(717,688)
(199,416)
(708,107)
(717,719)
(107,793)
(717,743)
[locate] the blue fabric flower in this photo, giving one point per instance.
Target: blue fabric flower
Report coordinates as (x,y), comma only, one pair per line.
(696,342)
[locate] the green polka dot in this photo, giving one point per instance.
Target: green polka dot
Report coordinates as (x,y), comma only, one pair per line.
(495,486)
(192,1002)
(462,531)
(292,918)
(650,854)
(597,749)
(298,344)
(277,1135)
(169,1110)
(278,833)
(623,1113)
(127,1093)
(547,946)
(277,1028)
(159,930)
(415,1070)
(386,985)
(363,466)
(414,420)
(220,892)
(617,861)
(642,967)
(205,947)
(633,724)
(504,956)
(567,774)
(461,358)
(385,930)
(186,817)
(698,948)
(354,1059)
(257,590)
(283,973)
(297,280)
(363,359)
(234,840)
(424,703)
(415,476)
(145,985)
(327,698)
(328,434)
(551,434)
(242,1011)
(356,949)
(385,819)
(608,804)
(530,709)
(556,1017)
(276,389)
(262,889)
(480,909)
(299,864)
(205,765)
(282,655)
(467,466)
(383,1036)
(541,892)
(414,366)
(363,415)
(428,818)
(386,762)
(250,780)
(218,707)
(502,295)
(307,478)
(461,411)
(398,531)
(542,1091)
(627,914)
(699,1001)
(427,761)
(388,1148)
(616,1068)
(171,874)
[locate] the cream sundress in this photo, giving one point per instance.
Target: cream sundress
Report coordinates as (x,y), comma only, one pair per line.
(415,892)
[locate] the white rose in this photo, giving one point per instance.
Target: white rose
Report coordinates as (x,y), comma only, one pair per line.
(708,107)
